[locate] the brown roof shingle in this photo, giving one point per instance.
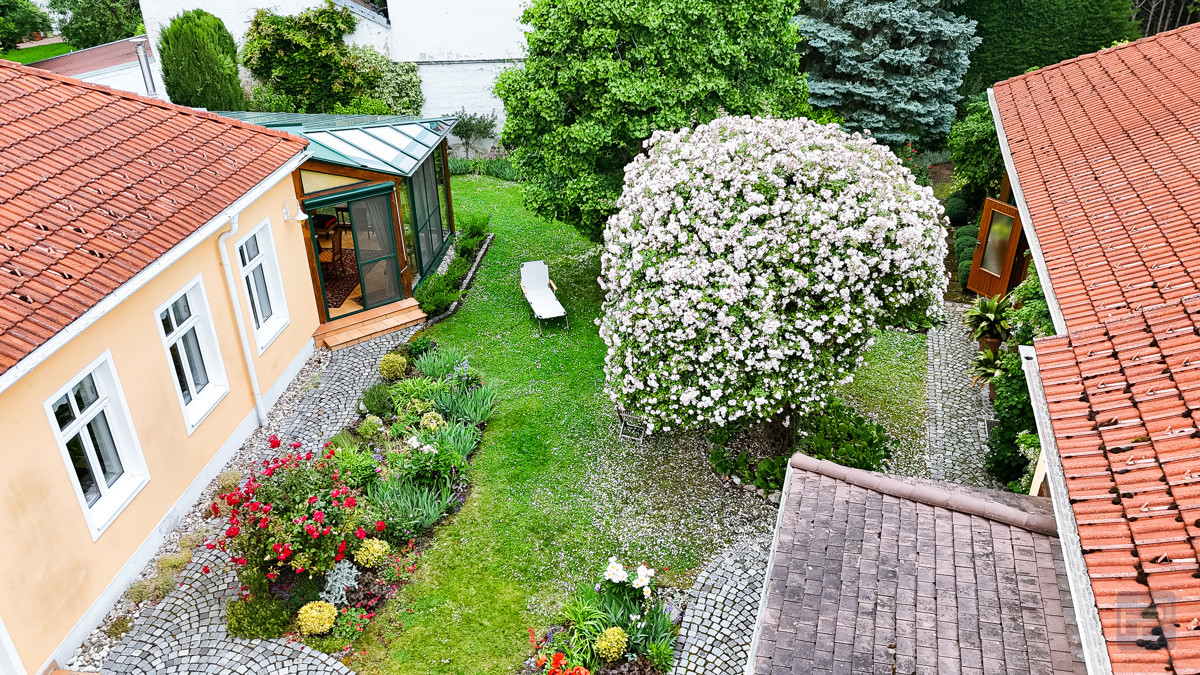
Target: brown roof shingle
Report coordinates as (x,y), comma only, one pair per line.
(1107,150)
(1123,397)
(96,184)
(863,581)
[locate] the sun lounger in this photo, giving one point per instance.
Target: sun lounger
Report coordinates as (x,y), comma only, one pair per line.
(539,292)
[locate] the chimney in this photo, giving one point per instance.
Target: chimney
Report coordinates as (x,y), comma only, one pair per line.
(139,43)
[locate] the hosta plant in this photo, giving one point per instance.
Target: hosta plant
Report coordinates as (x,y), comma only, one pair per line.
(749,264)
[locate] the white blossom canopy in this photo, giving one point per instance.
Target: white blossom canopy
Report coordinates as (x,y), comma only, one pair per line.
(750,264)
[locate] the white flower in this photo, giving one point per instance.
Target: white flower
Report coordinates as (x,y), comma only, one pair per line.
(615,572)
(646,592)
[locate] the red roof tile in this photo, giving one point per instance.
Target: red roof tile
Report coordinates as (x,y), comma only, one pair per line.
(96,184)
(1131,459)
(1107,151)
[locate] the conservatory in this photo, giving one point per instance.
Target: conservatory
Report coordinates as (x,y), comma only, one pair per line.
(376,193)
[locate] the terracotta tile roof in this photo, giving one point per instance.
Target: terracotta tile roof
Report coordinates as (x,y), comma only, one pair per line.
(96,184)
(83,61)
(1123,398)
(866,581)
(1107,150)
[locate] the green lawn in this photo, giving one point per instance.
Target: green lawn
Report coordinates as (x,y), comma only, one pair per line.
(890,389)
(31,54)
(555,493)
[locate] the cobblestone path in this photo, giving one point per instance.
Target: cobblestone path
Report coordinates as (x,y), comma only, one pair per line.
(185,633)
(718,622)
(957,410)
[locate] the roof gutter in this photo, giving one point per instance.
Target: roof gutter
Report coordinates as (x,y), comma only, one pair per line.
(1039,260)
(1091,633)
(109,302)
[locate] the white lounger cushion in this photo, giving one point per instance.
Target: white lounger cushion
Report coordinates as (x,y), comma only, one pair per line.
(535,279)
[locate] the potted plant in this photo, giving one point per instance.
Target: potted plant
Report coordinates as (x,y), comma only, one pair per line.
(985,369)
(987,321)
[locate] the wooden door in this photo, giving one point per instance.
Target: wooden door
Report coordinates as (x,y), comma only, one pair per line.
(995,248)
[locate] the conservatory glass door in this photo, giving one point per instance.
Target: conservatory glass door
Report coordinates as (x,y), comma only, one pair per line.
(375,246)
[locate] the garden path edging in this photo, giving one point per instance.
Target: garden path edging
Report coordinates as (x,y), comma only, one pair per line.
(467,282)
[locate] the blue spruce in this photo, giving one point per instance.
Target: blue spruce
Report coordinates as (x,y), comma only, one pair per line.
(891,66)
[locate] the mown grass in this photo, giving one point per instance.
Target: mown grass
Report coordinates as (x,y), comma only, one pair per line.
(890,389)
(31,54)
(554,490)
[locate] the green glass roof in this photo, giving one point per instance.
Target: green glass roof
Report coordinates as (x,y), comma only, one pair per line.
(392,144)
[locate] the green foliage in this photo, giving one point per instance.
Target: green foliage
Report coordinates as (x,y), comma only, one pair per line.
(841,435)
(416,387)
(19,20)
(601,75)
(265,98)
(304,56)
(726,463)
(500,166)
(378,401)
(119,627)
(1022,34)
(397,85)
(355,466)
(473,406)
(457,270)
(661,655)
(228,480)
(1030,446)
(419,345)
(259,617)
(458,438)
(95,22)
(409,506)
(988,318)
(1029,313)
(425,465)
(964,271)
(770,472)
(199,62)
(362,105)
(975,148)
(472,127)
(392,367)
(957,211)
(472,223)
(985,367)
(1014,415)
(892,67)
(173,563)
(440,362)
(435,294)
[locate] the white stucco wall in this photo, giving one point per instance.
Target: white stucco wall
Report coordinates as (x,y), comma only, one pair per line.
(449,87)
(456,30)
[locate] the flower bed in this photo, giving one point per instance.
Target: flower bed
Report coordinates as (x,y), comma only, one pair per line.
(322,539)
(618,626)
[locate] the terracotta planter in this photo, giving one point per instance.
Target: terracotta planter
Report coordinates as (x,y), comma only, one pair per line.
(991,343)
(991,391)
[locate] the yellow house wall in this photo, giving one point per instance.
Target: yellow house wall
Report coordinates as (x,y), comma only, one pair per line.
(52,570)
(315,181)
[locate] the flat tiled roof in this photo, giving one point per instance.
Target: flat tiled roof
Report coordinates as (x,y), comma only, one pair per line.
(1123,397)
(94,58)
(96,184)
(863,581)
(1107,151)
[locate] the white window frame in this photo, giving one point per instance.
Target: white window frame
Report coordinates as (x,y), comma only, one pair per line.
(205,401)
(273,327)
(112,402)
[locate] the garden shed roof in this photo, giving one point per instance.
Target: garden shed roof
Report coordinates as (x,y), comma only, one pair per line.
(874,573)
(1123,399)
(96,184)
(1106,149)
(392,144)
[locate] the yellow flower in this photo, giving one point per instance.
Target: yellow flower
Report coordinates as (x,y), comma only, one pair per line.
(611,644)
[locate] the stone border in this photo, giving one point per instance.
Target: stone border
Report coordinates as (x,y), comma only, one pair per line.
(467,282)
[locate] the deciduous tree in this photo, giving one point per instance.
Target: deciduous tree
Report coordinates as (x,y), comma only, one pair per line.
(88,23)
(19,20)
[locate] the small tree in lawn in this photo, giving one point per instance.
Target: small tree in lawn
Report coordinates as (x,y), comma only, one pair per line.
(473,126)
(891,66)
(19,20)
(199,62)
(750,263)
(601,75)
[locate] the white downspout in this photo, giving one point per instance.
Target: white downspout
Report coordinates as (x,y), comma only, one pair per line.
(241,324)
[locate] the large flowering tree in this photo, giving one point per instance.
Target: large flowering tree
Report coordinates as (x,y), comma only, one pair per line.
(750,263)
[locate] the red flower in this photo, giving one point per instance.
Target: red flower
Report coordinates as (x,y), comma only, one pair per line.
(312,499)
(557,661)
(380,526)
(262,524)
(273,441)
(210,546)
(271,575)
(541,660)
(350,502)
(216,510)
(294,444)
(319,516)
(360,533)
(338,557)
(342,547)
(232,532)
(204,569)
